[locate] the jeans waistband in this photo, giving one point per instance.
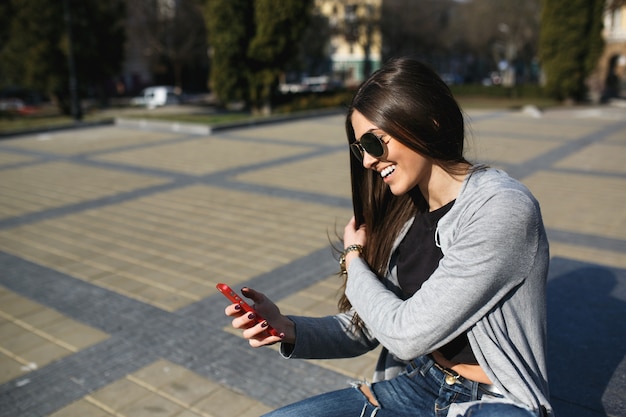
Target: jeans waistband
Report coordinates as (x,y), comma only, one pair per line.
(426,364)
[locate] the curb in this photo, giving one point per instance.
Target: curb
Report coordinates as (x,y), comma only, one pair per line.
(144,124)
(205,129)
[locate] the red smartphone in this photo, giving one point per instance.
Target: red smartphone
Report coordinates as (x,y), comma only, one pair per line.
(236,299)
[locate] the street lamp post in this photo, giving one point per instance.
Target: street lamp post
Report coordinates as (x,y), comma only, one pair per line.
(76,110)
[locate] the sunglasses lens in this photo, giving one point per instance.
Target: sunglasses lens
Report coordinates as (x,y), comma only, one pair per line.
(372,145)
(356,150)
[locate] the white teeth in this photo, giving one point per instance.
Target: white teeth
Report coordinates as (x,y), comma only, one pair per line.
(387,171)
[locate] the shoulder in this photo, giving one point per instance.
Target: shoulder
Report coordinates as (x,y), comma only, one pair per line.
(495,208)
(493,196)
(496,186)
(491,179)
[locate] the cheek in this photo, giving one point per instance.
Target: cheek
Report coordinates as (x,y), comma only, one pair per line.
(413,170)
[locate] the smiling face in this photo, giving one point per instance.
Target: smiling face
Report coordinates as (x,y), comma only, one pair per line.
(400,167)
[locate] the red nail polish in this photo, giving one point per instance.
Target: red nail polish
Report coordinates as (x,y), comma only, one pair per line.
(264,324)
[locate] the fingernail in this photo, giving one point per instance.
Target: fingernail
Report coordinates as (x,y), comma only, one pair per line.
(282,335)
(238,307)
(264,324)
(251,316)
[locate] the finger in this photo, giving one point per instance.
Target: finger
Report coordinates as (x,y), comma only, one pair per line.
(270,340)
(257,331)
(233,310)
(259,336)
(254,295)
(245,321)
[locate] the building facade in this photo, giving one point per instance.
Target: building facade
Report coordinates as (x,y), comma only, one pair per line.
(609,80)
(355,42)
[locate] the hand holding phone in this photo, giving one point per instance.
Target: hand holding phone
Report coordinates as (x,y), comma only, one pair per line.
(236,299)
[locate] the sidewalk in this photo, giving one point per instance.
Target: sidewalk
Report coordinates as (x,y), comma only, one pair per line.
(112,239)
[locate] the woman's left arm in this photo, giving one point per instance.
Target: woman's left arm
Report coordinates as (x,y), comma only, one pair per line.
(491,254)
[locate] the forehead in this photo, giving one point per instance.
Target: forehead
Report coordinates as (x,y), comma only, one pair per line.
(361,125)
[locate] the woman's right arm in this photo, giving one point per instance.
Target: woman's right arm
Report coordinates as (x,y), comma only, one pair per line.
(330,337)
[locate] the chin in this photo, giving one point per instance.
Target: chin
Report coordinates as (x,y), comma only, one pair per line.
(398,191)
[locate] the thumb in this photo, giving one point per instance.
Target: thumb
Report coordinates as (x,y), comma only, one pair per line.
(255,296)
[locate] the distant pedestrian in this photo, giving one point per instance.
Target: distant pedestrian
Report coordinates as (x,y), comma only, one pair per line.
(445,266)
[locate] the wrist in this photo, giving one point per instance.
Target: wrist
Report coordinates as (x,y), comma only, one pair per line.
(348,254)
(288,328)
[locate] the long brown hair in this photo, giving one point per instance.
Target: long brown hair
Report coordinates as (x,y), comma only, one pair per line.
(408,101)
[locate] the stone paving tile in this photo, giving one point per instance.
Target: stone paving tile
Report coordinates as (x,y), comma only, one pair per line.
(55,184)
(611,258)
(97,139)
(171,249)
(203,156)
(517,125)
(328,175)
(495,150)
(618,138)
(581,203)
(309,132)
(163,389)
(8,159)
(82,408)
(32,335)
(607,158)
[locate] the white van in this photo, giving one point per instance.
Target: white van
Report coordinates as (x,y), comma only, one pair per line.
(156,96)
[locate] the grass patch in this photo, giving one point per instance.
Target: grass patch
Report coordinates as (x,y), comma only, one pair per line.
(19,123)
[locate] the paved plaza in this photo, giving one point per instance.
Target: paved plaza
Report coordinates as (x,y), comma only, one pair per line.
(112,239)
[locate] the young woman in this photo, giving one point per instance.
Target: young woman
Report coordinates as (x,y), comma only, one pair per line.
(445,265)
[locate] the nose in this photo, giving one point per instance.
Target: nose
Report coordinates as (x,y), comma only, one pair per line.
(368,160)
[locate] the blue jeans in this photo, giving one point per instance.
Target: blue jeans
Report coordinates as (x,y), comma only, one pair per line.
(421,391)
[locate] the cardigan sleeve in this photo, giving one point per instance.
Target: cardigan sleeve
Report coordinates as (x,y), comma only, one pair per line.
(489,253)
(331,337)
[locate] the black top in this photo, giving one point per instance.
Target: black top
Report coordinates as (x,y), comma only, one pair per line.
(417,258)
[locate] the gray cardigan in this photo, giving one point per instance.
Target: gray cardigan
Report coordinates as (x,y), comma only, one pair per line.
(490,283)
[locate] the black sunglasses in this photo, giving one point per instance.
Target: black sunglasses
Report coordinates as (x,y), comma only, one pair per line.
(370,143)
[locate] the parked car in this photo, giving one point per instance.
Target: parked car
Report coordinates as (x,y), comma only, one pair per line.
(153,97)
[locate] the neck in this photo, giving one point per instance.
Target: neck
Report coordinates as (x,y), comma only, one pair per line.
(442,186)
(418,199)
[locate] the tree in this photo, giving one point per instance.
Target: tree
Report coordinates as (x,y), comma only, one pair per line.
(32,56)
(6,11)
(415,27)
(173,31)
(252,43)
(570,45)
(314,47)
(279,26)
(35,55)
(230,27)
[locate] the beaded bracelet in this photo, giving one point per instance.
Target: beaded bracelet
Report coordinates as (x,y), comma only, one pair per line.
(342,258)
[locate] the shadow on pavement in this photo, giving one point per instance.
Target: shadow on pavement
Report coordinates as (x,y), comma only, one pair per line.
(587,339)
